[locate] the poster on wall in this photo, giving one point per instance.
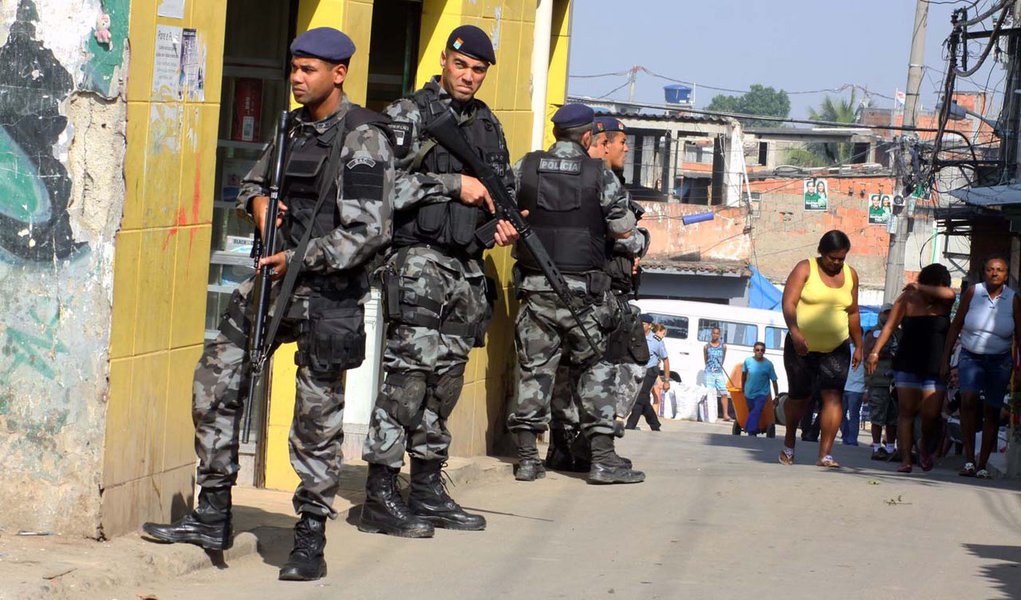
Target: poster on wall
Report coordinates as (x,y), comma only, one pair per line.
(879,209)
(193,67)
(816,194)
(166,69)
(173,9)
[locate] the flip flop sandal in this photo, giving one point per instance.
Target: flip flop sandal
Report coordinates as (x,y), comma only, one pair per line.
(786,459)
(926,461)
(968,470)
(904,469)
(828,462)
(983,474)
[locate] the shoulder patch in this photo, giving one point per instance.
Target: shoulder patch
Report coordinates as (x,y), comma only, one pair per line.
(402,137)
(361,160)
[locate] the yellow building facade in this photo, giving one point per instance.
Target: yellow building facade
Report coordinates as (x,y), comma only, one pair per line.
(177,253)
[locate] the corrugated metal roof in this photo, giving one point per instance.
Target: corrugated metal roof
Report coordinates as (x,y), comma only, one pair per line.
(994,195)
(679,265)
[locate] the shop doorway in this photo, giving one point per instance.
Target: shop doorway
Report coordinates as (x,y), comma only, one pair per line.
(393,51)
(255,90)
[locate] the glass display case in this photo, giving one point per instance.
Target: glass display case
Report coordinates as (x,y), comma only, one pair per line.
(254,92)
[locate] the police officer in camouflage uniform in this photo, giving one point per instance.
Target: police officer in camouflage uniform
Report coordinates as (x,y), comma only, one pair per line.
(577,207)
(438,302)
(626,347)
(339,160)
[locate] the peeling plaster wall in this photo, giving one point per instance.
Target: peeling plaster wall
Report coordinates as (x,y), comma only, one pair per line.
(61,197)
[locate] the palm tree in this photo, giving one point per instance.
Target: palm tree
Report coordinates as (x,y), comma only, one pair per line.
(821,154)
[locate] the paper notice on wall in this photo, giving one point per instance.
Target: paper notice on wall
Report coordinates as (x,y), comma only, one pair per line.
(193,66)
(173,9)
(166,70)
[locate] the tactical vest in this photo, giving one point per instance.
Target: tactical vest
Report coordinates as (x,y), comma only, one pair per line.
(562,197)
(450,225)
(620,266)
(310,169)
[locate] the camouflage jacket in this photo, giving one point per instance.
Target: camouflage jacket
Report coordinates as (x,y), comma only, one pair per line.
(366,223)
(616,204)
(416,188)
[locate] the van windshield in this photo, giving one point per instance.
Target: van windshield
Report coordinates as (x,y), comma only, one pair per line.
(676,327)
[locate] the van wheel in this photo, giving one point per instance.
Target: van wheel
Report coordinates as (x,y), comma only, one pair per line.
(778,410)
(736,429)
(771,431)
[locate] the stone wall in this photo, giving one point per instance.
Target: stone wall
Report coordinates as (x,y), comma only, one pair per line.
(62,142)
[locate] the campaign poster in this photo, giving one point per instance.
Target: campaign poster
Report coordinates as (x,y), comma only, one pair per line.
(816,194)
(879,209)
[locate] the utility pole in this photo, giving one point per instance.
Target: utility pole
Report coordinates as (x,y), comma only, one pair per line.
(631,77)
(899,235)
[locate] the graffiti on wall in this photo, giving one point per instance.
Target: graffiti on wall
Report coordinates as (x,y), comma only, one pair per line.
(33,196)
(54,274)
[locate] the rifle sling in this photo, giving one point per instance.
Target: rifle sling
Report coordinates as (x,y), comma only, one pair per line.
(294,265)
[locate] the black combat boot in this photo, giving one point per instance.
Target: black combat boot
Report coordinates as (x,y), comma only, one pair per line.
(529,466)
(428,499)
(581,453)
(306,562)
(208,525)
(384,510)
(607,467)
(559,455)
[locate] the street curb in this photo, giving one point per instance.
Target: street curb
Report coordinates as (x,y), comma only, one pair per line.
(93,575)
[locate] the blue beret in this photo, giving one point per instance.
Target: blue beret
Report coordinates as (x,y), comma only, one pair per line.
(570,116)
(325,43)
(472,41)
(607,124)
(646,318)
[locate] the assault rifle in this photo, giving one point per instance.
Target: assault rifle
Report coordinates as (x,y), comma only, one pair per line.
(259,350)
(444,128)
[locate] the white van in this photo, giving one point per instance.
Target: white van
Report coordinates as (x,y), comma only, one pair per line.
(689,326)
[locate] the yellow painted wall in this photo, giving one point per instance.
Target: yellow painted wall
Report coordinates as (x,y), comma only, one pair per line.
(161,267)
(353,17)
(480,413)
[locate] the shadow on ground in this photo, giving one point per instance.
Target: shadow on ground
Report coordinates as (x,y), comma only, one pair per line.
(1005,571)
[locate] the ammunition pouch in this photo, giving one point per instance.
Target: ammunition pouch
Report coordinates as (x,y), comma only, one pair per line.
(480,335)
(638,347)
(402,396)
(598,284)
(334,339)
(235,324)
(619,270)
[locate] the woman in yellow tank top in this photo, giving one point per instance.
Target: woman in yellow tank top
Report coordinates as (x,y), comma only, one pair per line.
(820,305)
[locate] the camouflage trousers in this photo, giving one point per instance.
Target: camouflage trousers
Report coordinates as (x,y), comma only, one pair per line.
(317,426)
(437,311)
(565,403)
(547,336)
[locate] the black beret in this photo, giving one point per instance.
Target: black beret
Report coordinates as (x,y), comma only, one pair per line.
(570,116)
(472,41)
(606,124)
(326,43)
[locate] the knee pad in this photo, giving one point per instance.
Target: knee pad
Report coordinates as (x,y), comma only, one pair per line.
(402,397)
(446,392)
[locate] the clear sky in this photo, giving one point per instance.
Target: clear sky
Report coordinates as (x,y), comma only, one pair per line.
(793,45)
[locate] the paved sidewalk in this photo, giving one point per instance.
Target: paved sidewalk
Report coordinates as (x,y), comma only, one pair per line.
(55,567)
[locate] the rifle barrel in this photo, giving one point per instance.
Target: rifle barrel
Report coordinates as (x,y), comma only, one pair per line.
(258,353)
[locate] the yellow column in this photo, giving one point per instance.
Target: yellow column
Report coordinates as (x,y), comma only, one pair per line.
(353,17)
